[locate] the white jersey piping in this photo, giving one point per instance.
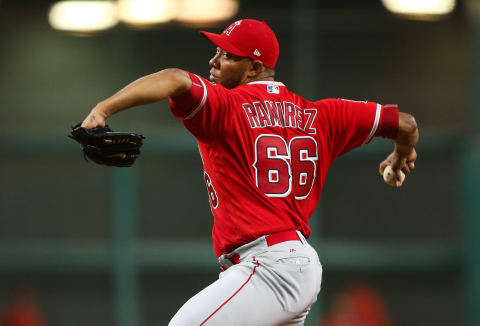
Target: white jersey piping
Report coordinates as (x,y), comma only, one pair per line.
(202,103)
(266,82)
(375,124)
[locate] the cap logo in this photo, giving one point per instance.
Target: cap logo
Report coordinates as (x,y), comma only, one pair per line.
(256,52)
(232,27)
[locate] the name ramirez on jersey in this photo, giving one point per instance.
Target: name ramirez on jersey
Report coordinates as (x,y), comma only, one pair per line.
(280,114)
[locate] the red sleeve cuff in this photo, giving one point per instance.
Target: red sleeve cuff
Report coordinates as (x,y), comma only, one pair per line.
(185,104)
(389,125)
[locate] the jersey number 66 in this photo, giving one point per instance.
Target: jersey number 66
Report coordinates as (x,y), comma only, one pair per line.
(280,167)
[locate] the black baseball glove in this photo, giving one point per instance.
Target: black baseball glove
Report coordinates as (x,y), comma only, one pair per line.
(107,147)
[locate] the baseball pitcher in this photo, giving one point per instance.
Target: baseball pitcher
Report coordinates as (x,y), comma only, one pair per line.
(266,152)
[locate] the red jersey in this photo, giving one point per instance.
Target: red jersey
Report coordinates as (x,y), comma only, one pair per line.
(266,152)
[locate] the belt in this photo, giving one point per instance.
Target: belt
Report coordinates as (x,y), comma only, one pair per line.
(271,239)
(280,237)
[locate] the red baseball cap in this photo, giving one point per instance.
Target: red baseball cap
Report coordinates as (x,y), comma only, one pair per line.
(248,38)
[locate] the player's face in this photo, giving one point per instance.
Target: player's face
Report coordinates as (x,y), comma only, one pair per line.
(228,70)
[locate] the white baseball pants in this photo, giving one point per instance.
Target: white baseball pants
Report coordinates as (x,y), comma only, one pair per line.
(270,286)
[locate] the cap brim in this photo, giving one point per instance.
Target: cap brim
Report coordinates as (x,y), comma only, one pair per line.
(222,43)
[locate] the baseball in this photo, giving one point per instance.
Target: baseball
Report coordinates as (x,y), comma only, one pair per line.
(389,176)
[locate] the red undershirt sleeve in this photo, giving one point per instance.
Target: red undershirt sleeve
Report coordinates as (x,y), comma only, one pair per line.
(388,127)
(350,124)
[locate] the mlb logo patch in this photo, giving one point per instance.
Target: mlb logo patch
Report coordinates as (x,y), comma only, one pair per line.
(273,89)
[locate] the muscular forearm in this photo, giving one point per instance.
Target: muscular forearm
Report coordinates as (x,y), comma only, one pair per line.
(407,136)
(148,89)
(403,157)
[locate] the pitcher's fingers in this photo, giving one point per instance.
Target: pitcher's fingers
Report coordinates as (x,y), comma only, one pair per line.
(381,169)
(382,166)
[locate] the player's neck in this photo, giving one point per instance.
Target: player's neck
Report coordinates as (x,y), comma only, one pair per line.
(263,76)
(262,79)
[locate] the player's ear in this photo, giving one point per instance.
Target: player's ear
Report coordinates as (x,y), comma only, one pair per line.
(256,67)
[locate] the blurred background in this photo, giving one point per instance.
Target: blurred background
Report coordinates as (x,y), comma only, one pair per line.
(82,244)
